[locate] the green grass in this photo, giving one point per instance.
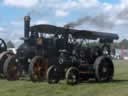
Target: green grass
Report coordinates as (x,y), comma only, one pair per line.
(118,87)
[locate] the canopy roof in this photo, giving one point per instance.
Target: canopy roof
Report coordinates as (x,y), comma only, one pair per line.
(50,29)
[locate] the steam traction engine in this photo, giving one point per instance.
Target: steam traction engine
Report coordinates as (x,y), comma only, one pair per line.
(36,54)
(77,62)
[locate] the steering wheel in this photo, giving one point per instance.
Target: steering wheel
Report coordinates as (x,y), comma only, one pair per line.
(3,46)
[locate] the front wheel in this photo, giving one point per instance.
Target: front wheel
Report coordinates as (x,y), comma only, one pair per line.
(72,76)
(52,75)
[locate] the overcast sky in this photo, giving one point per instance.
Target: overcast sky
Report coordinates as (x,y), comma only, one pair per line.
(100,15)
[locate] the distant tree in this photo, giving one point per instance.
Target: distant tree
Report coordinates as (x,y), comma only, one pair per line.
(124,43)
(121,44)
(10,44)
(116,45)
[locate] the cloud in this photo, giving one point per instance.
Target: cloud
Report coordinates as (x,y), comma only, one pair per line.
(107,7)
(65,8)
(21,3)
(62,8)
(2,29)
(39,22)
(61,13)
(88,3)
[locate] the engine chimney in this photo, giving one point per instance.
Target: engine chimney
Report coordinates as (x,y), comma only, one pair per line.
(26,26)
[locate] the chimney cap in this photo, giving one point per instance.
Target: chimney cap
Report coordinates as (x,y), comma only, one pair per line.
(27,18)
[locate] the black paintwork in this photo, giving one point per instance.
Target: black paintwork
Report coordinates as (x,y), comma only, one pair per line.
(57,48)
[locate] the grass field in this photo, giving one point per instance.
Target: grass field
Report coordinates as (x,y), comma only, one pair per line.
(118,87)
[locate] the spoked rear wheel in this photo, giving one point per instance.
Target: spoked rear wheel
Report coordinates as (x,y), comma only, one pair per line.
(11,68)
(38,68)
(104,69)
(3,56)
(72,76)
(53,75)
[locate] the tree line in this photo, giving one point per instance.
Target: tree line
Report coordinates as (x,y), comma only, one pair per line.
(122,44)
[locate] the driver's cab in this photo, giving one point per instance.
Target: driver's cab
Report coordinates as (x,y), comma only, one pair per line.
(65,44)
(106,45)
(60,42)
(34,38)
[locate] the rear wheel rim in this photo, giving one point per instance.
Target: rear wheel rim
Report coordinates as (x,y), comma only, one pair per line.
(3,58)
